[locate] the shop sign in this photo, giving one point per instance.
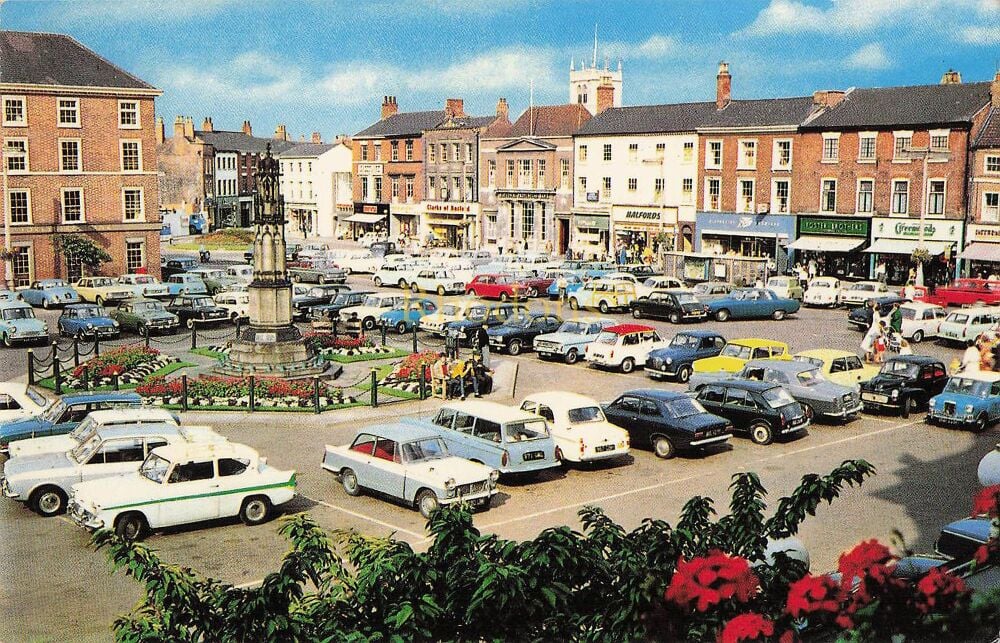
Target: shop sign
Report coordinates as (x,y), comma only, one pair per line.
(593,197)
(984,233)
(640,215)
(369,168)
(371,208)
(833,227)
(404,209)
(585,221)
(761,224)
(451,208)
(940,230)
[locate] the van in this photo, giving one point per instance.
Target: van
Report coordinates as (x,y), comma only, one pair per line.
(963,326)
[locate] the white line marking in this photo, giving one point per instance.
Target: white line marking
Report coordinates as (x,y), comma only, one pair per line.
(364,517)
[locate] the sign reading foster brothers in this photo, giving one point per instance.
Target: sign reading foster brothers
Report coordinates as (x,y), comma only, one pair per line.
(640,215)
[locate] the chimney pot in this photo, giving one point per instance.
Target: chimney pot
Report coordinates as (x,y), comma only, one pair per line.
(316,138)
(206,125)
(189,128)
(389,106)
(995,91)
(179,127)
(454,108)
(605,95)
(160,133)
(828,97)
(503,111)
(247,129)
(951,77)
(280,133)
(723,86)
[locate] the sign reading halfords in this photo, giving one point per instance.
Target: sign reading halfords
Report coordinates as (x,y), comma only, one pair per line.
(626,214)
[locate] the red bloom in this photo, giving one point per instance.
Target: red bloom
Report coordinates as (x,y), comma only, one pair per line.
(708,581)
(746,627)
(987,502)
(788,636)
(938,591)
(856,562)
(812,594)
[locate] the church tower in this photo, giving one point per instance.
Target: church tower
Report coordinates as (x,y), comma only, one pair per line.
(583,82)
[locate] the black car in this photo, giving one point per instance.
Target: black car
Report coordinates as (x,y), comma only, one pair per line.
(861,317)
(317,296)
(489,314)
(197,310)
(760,409)
(170,266)
(666,421)
(676,305)
(341,300)
(641,270)
(520,331)
(906,383)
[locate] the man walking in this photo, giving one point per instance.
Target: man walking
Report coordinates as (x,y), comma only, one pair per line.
(481,344)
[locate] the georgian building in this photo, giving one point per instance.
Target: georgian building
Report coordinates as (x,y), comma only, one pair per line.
(981,255)
(316,187)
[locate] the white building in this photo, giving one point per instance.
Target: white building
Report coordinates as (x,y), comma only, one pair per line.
(583,83)
(316,185)
(227,186)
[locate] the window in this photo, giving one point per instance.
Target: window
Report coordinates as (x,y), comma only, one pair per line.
(510,173)
(713,192)
(364,152)
(902,142)
(606,188)
(607,151)
(939,139)
(713,155)
(687,190)
(68,112)
(131,156)
(658,189)
(564,173)
(583,186)
(432,153)
(782,155)
(633,152)
(378,152)
(72,205)
(232,466)
(22,265)
(191,472)
(524,173)
(19,203)
(470,189)
(866,190)
(541,173)
(528,219)
(661,150)
(992,164)
(16,153)
(831,148)
(14,113)
(582,153)
(409,187)
(132,205)
(468,153)
(491,172)
(745,196)
(128,114)
(991,207)
(828,195)
(74,268)
(378,188)
(135,255)
(456,154)
(779,196)
(395,187)
(688,151)
(900,197)
(866,147)
(748,155)
(364,187)
(408,150)
(69,155)
(633,184)
(456,184)
(935,197)
(393,151)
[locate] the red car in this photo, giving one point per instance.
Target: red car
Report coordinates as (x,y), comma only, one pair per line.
(966,292)
(531,284)
(495,286)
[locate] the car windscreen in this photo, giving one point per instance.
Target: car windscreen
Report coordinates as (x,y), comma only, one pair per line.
(908,313)
(650,283)
(585,414)
(477,313)
(525,430)
(683,407)
(686,298)
(968,386)
(518,322)
(18,313)
(573,327)
(142,279)
(815,361)
(58,283)
(777,397)
(91,311)
(84,430)
(957,318)
(154,468)
(147,306)
(36,397)
(900,369)
(423,450)
(736,350)
(809,377)
(820,284)
(103,282)
(54,412)
(202,302)
(82,452)
(343,300)
(607,338)
(681,340)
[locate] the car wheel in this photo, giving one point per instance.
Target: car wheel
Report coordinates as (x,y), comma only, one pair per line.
(778,315)
(504,296)
(401,328)
(810,413)
(675,318)
(427,503)
(368,323)
(514,348)
(131,526)
(531,292)
(628,365)
(99,300)
(349,480)
(377,281)
(190,323)
(255,510)
(721,315)
(574,304)
(917,336)
(45,304)
(663,448)
(761,433)
(414,288)
(909,405)
(572,356)
(683,374)
(48,501)
(604,307)
(402,284)
(441,291)
(981,423)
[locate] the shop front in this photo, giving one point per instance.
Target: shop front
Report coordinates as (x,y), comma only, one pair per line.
(636,228)
(755,236)
(589,239)
(404,220)
(894,240)
(450,224)
(368,218)
(835,244)
(981,256)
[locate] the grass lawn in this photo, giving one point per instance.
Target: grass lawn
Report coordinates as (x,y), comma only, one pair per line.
(49,382)
(229,239)
(370,357)
(206,352)
(381,372)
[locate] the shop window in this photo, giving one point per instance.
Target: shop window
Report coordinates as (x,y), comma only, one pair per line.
(828,195)
(991,207)
(780,198)
(900,197)
(22,265)
(866,190)
(935,197)
(713,193)
(19,204)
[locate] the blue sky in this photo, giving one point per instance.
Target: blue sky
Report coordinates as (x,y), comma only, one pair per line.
(324,66)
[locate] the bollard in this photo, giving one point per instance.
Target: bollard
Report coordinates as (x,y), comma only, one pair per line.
(194,335)
(114,380)
(423,383)
(31,367)
(146,334)
(374,389)
(97,344)
(383,325)
(253,391)
(414,338)
(56,375)
(335,322)
(86,379)
(239,322)
(316,393)
(184,392)
(76,350)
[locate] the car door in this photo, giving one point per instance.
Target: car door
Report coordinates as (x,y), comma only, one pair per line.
(713,397)
(651,420)
(624,412)
(738,407)
(113,458)
(191,493)
(387,473)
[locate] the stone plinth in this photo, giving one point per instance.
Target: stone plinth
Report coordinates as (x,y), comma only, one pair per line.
(278,352)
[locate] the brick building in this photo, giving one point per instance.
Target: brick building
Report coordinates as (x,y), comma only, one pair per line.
(981,255)
(79,157)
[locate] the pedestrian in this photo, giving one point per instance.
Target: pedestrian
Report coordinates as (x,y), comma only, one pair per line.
(481,344)
(868,343)
(456,378)
(993,277)
(881,342)
(880,271)
(813,269)
(896,320)
(971,359)
(561,288)
(905,348)
(647,256)
(911,277)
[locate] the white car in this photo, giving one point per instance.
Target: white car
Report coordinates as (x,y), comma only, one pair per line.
(623,346)
(94,422)
(240,273)
(921,320)
(603,294)
(859,292)
(438,280)
(101,290)
(369,312)
(356,261)
(19,401)
(661,282)
(822,291)
(181,484)
(237,304)
(578,425)
(396,274)
(436,323)
(786,287)
(144,285)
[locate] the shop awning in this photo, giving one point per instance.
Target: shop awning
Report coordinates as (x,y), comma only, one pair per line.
(826,243)
(905,246)
(590,221)
(981,252)
(365,218)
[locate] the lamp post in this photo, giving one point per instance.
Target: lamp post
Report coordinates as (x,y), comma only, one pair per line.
(926,154)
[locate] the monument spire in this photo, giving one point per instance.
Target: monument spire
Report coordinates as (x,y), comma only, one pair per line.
(593,64)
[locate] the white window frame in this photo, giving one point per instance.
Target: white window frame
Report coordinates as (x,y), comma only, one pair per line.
(830,136)
(633,152)
(863,136)
(687,152)
(659,184)
(607,153)
(708,201)
(10,207)
(936,133)
(62,205)
(76,103)
(31,261)
(896,135)
(741,163)
(24,110)
(687,196)
(633,184)
(142,204)
(822,197)
(986,208)
(892,197)
(944,197)
(986,163)
(565,176)
(857,196)
(142,250)
(775,208)
(121,154)
(775,154)
(138,113)
(709,165)
(740,208)
(79,155)
(8,155)
(581,153)
(491,172)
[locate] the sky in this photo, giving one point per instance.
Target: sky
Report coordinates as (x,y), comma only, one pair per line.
(325,65)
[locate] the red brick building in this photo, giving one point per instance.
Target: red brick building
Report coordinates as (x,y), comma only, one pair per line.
(981,255)
(79,157)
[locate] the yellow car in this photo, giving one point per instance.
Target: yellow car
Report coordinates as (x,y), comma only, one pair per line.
(738,352)
(840,367)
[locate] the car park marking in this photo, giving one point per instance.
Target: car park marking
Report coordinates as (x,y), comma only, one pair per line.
(364,517)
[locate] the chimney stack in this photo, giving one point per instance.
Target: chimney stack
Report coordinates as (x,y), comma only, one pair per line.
(605,95)
(503,111)
(389,106)
(995,91)
(206,125)
(951,77)
(280,133)
(178,127)
(316,138)
(828,98)
(454,108)
(723,86)
(160,134)
(247,129)
(189,128)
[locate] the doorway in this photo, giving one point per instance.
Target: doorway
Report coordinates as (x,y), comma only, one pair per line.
(562,235)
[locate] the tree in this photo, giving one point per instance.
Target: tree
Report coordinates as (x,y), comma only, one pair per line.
(75,246)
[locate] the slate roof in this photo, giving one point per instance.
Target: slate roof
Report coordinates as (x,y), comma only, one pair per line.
(989,136)
(551,120)
(56,59)
(403,124)
(224,141)
(765,112)
(908,105)
(308,149)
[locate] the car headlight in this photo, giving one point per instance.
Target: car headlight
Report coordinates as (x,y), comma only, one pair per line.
(90,326)
(449,483)
(494,477)
(969,409)
(932,403)
(668,361)
(115,324)
(895,393)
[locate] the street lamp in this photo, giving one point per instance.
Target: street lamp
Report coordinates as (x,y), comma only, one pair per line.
(926,154)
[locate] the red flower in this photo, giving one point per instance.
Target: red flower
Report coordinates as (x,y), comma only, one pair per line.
(812,594)
(788,636)
(938,591)
(987,502)
(865,555)
(746,627)
(710,580)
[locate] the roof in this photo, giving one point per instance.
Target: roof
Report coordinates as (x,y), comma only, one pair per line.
(625,329)
(491,410)
(189,450)
(915,359)
(699,333)
(134,415)
(465,122)
(308,149)
(918,305)
(656,394)
(55,59)
(550,120)
(982,376)
(110,396)
(399,431)
(747,385)
(756,342)
(975,528)
(561,399)
(989,135)
(138,430)
(830,353)
(908,105)
(403,124)
(782,364)
(225,141)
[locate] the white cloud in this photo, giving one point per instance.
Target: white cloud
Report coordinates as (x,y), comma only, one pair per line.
(980,35)
(852,16)
(870,57)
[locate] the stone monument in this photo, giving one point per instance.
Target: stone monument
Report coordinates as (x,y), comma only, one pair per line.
(271,344)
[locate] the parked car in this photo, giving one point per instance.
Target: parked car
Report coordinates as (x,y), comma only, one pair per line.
(921,320)
(503,438)
(738,352)
(49,293)
(409,464)
(859,292)
(644,271)
(396,274)
(491,315)
(18,324)
(63,416)
(317,272)
(786,287)
(658,282)
(495,286)
(570,340)
(342,300)
(519,331)
(676,360)
(762,410)
(215,279)
(751,303)
(237,304)
(667,422)
(841,367)
(113,417)
(144,285)
(959,540)
(965,325)
(197,310)
(10,295)
(87,320)
(406,315)
(352,261)
(966,292)
(101,290)
(186,283)
(310,297)
(822,291)
(623,346)
(905,383)
(676,305)
(578,425)
(170,266)
(573,283)
(604,295)
(181,484)
(368,312)
(437,323)
(239,273)
(438,280)
(19,401)
(861,317)
(711,290)
(969,400)
(146,317)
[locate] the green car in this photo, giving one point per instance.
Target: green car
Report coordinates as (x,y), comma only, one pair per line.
(145,316)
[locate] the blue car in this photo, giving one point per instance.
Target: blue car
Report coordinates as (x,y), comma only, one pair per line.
(87,320)
(687,346)
(969,400)
(406,315)
(63,415)
(573,283)
(751,303)
(48,293)
(18,324)
(185,284)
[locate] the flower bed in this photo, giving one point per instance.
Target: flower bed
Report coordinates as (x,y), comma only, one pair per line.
(345,353)
(214,392)
(132,365)
(404,377)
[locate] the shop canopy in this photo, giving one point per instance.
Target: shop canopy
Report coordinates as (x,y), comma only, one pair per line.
(905,246)
(365,218)
(981,252)
(826,243)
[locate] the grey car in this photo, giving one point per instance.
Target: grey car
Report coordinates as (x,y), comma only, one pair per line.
(711,290)
(820,397)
